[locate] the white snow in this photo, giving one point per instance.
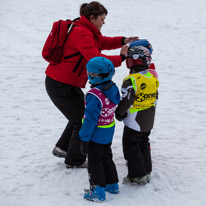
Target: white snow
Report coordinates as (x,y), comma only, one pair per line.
(30,124)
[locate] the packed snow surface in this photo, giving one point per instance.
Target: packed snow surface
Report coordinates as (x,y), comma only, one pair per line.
(30,124)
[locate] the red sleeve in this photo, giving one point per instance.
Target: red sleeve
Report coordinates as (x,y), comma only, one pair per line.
(111,42)
(89,48)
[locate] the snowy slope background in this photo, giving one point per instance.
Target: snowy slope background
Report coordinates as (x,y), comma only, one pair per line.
(30,124)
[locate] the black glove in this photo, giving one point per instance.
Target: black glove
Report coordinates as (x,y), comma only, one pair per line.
(83,147)
(124,115)
(120,117)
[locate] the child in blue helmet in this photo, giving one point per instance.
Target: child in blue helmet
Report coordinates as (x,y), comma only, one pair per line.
(137,110)
(97,130)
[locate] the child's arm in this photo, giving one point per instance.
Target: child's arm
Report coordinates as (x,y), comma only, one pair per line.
(128,97)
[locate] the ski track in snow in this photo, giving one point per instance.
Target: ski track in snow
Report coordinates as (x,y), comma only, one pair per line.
(30,124)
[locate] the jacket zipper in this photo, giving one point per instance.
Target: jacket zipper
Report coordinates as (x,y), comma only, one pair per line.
(78,63)
(58,32)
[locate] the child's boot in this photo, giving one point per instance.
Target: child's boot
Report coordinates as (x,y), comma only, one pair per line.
(96,194)
(112,188)
(135,180)
(148,177)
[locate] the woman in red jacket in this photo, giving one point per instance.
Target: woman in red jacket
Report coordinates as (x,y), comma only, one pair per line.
(65,80)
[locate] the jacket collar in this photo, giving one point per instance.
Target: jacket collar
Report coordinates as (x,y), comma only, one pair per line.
(84,22)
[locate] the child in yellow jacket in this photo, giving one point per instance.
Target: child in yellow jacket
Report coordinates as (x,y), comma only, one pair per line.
(137,110)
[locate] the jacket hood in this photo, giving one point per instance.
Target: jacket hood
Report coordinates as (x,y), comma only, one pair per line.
(111,91)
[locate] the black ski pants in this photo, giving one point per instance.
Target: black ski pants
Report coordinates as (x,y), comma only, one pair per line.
(101,167)
(70,101)
(136,149)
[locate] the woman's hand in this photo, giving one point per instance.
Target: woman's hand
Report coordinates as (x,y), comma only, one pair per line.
(130,39)
(124,50)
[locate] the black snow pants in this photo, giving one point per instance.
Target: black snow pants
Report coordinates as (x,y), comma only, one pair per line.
(70,101)
(136,149)
(101,167)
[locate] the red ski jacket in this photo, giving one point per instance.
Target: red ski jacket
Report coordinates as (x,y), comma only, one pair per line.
(84,42)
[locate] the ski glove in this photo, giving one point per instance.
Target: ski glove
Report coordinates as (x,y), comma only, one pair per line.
(120,117)
(83,147)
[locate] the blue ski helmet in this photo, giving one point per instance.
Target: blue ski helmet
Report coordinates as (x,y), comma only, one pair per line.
(142,42)
(99,70)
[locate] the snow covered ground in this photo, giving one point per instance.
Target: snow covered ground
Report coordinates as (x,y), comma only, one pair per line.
(30,124)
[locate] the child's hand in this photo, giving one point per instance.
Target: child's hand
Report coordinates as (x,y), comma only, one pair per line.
(120,117)
(124,115)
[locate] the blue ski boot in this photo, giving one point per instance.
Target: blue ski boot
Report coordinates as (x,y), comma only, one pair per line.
(112,188)
(96,194)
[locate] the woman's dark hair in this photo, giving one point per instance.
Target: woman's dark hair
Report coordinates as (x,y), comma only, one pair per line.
(94,8)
